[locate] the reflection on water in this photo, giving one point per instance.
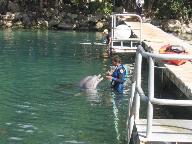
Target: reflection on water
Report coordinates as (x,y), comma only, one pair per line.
(39,98)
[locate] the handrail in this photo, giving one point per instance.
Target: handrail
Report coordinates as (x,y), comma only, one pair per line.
(138,93)
(157,101)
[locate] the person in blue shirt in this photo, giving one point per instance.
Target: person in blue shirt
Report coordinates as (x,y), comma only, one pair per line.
(118,76)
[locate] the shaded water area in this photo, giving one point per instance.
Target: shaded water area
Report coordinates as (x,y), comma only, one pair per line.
(39,99)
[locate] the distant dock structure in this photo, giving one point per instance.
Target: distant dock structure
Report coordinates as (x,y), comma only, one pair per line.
(151,39)
(123,40)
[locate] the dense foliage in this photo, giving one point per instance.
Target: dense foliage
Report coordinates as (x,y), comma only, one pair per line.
(173,9)
(176,9)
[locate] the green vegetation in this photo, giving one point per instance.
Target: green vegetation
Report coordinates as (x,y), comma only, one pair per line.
(160,8)
(84,14)
(173,9)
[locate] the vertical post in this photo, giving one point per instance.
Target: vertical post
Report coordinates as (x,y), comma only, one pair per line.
(113,5)
(112,31)
(138,83)
(131,104)
(121,44)
(115,21)
(141,29)
(132,101)
(151,96)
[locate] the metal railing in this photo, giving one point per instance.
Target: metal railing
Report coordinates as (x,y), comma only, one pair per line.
(115,19)
(137,92)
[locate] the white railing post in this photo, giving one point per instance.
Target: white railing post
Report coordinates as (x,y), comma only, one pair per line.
(132,101)
(138,83)
(151,95)
(112,30)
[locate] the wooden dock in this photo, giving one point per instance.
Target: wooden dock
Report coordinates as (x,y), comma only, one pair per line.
(170,130)
(166,130)
(154,38)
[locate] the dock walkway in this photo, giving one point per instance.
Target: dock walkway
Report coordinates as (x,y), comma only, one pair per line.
(163,130)
(166,130)
(154,38)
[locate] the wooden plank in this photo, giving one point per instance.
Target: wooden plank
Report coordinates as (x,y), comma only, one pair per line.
(167,130)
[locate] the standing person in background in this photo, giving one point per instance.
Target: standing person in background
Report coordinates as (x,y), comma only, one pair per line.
(139,4)
(107,41)
(118,76)
(107,36)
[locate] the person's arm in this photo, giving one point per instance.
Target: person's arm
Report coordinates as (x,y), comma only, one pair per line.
(121,76)
(110,39)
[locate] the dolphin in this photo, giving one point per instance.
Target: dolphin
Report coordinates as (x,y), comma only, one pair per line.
(90,82)
(88,85)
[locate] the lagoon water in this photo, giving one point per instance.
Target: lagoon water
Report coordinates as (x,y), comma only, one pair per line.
(39,100)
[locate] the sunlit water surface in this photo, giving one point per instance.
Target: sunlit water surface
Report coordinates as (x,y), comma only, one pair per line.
(40,102)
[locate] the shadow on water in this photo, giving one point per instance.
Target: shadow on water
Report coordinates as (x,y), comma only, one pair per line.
(165,89)
(171,91)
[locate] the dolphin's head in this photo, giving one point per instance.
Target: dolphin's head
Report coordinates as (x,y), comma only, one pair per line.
(97,80)
(83,81)
(90,82)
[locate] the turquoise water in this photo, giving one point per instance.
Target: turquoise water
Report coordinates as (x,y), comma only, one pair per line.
(39,100)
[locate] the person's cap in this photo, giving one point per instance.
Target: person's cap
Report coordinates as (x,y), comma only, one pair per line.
(105,31)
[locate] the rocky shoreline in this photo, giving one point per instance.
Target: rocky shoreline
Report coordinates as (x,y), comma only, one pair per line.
(65,19)
(62,18)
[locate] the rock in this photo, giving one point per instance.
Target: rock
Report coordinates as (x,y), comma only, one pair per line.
(42,23)
(1,22)
(190,25)
(155,22)
(66,26)
(172,25)
(99,25)
(188,30)
(53,23)
(26,20)
(18,24)
(8,24)
(94,18)
(9,16)
(13,7)
(18,16)
(74,16)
